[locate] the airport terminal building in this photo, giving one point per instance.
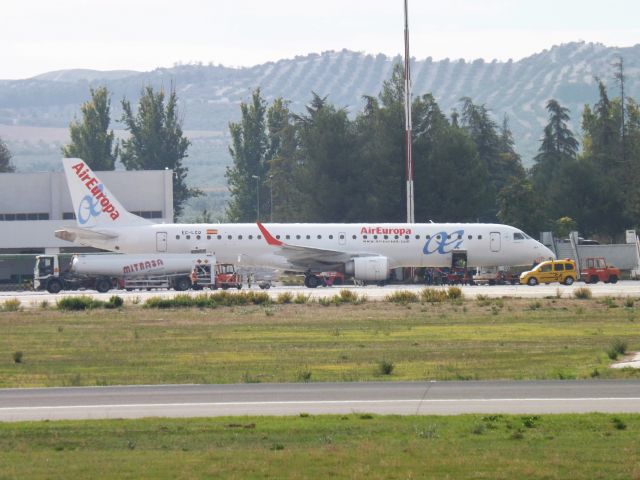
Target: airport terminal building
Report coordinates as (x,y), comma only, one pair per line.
(34,205)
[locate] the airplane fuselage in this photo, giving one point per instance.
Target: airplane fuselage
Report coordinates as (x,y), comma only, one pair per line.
(405,245)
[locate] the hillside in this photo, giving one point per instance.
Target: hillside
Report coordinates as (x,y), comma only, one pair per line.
(210,95)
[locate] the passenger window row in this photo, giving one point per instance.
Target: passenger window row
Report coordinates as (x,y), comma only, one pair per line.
(319,237)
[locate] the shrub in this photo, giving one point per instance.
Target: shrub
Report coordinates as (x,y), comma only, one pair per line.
(348,296)
(285,297)
(454,293)
(158,302)
(11,305)
(402,296)
(17,357)
(301,298)
(324,301)
(433,295)
(618,424)
(79,303)
(114,302)
(385,367)
(617,347)
(535,305)
(304,375)
(582,293)
(629,302)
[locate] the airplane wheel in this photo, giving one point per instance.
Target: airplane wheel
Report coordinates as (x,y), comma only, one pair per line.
(311,281)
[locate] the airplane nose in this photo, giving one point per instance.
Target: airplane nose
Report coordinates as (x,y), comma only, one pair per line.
(544,252)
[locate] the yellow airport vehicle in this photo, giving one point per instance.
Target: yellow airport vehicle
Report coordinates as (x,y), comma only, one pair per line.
(563,271)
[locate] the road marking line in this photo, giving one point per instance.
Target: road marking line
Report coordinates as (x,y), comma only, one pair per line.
(322,402)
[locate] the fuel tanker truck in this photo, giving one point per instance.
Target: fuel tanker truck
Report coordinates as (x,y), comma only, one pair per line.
(103,272)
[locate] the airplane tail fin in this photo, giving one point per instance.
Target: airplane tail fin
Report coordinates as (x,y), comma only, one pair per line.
(93,204)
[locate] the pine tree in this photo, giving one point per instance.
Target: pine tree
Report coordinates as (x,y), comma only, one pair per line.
(91,139)
(5,159)
(248,151)
(157,141)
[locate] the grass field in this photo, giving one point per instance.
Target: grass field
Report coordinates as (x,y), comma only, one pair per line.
(357,446)
(486,339)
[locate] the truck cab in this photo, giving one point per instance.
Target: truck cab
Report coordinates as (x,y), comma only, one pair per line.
(46,268)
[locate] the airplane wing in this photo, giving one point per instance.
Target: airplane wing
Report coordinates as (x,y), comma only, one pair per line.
(71,234)
(309,257)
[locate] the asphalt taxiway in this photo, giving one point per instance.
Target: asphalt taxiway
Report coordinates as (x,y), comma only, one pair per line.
(403,398)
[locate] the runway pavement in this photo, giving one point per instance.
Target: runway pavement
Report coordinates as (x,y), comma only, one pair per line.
(404,398)
(374,293)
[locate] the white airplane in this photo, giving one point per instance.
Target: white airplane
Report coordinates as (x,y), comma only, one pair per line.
(367,251)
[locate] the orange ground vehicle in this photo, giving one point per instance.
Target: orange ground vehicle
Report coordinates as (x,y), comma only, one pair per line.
(225,277)
(597,270)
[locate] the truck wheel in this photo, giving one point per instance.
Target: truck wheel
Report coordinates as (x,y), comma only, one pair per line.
(613,279)
(54,286)
(103,285)
(568,281)
(182,284)
(593,279)
(239,286)
(532,282)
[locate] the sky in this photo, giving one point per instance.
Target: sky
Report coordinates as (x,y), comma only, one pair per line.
(38,36)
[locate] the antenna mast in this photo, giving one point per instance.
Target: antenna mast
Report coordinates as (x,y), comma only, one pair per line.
(407,116)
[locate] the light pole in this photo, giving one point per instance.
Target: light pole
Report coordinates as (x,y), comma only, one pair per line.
(271,198)
(257,196)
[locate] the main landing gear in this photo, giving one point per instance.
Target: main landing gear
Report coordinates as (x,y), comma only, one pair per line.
(312,281)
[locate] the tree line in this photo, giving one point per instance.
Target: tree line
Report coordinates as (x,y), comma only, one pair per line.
(322,166)
(156,140)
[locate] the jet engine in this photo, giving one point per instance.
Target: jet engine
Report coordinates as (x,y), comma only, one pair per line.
(368,268)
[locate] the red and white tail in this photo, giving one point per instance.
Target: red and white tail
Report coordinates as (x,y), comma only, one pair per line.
(93,203)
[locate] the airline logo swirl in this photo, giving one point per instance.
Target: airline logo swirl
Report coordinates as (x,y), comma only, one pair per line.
(443,242)
(96,202)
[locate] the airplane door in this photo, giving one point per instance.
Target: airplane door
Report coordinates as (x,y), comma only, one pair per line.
(161,241)
(495,241)
(342,238)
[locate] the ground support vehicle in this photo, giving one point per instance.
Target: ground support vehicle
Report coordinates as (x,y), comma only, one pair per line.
(224,277)
(49,275)
(104,272)
(563,271)
(597,270)
(494,276)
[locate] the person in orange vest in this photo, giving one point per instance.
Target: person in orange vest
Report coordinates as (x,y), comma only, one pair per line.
(194,276)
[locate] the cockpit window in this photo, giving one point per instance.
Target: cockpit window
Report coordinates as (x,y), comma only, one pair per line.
(518,236)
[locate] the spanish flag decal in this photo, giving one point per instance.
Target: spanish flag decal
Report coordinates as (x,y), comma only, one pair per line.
(212,231)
